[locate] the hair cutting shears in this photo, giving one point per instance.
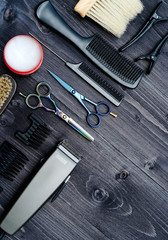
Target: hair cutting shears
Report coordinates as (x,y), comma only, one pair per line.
(106,108)
(34,101)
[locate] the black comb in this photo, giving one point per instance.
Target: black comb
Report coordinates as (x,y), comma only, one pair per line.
(11,161)
(97,49)
(101,85)
(35,134)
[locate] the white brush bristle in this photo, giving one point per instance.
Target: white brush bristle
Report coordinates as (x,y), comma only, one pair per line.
(114,15)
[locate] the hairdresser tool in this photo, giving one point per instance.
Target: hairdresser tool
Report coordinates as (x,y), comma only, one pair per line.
(153,56)
(155,18)
(81,99)
(7,90)
(11,161)
(2,234)
(113,15)
(60,189)
(23,54)
(51,175)
(43,90)
(35,134)
(98,50)
(85,72)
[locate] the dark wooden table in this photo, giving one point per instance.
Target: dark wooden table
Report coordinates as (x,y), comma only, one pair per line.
(119,189)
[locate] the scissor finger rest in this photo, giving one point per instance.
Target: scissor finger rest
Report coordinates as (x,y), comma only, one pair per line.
(33,101)
(43,89)
(95,121)
(103,108)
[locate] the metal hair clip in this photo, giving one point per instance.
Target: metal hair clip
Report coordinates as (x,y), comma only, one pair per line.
(153,56)
(155,18)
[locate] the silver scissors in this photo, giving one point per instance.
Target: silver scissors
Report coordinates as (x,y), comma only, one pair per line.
(82,98)
(34,101)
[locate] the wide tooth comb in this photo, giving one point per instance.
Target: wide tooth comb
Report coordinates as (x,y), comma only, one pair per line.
(11,161)
(35,134)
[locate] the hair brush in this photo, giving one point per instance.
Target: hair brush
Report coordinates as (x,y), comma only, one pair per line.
(7,90)
(113,15)
(97,49)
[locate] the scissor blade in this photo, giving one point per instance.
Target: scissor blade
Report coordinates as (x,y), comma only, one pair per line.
(64,84)
(74,125)
(79,129)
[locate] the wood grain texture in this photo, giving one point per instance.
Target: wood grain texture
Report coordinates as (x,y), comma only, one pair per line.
(119,189)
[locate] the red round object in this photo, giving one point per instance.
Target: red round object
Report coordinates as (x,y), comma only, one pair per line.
(9,65)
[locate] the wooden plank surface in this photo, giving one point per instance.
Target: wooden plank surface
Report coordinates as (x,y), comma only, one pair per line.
(119,189)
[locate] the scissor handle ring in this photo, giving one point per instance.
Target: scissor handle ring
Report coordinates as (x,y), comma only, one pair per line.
(105,104)
(28,101)
(98,118)
(48,89)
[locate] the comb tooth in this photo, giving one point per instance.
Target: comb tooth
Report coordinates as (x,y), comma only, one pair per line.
(22,156)
(11,161)
(20,161)
(37,136)
(7,177)
(35,146)
(16,169)
(41,129)
(34,118)
(44,129)
(4,172)
(127,71)
(7,161)
(115,96)
(35,142)
(22,137)
(10,175)
(14,162)
(18,165)
(40,133)
(36,133)
(11,171)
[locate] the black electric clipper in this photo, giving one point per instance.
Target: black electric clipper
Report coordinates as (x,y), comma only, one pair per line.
(49,180)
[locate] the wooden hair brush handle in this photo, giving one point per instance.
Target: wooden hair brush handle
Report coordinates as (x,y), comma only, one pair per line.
(83,6)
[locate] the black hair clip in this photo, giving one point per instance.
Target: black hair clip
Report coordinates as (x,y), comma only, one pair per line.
(153,56)
(155,18)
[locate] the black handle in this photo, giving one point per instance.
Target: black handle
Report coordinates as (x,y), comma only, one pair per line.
(2,233)
(48,15)
(59,189)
